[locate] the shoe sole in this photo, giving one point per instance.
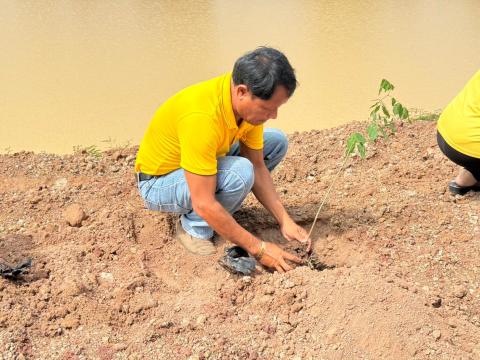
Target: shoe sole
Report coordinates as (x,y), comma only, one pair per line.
(461,190)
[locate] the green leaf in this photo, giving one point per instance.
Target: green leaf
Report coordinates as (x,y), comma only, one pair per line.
(404,113)
(377,107)
(385,85)
(394,101)
(351,143)
(397,109)
(360,138)
(385,111)
(361,150)
(372,131)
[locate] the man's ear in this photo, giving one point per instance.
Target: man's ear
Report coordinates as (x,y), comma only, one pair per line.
(242,91)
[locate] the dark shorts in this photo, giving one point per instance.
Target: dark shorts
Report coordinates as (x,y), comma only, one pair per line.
(469,163)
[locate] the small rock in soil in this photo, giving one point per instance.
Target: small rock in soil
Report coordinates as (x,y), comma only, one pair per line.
(74,215)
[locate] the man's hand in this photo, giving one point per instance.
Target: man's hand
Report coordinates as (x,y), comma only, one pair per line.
(265,193)
(274,257)
(291,231)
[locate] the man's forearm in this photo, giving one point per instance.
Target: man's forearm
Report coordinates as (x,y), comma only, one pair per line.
(264,191)
(224,224)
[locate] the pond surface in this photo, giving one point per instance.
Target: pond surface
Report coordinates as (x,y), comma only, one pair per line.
(93,72)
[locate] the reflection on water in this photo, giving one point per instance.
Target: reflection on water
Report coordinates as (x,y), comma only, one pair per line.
(79,72)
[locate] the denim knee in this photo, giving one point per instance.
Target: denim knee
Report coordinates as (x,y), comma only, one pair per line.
(281,140)
(275,147)
(238,175)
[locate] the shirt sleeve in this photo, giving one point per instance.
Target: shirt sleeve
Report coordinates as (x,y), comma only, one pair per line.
(254,138)
(199,141)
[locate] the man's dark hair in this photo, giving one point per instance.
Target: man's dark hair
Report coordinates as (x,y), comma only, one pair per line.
(262,70)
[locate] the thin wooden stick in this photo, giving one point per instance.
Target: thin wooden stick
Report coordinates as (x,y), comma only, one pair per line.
(328,192)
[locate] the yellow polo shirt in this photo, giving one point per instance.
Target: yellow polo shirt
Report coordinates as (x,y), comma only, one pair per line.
(459,123)
(192,129)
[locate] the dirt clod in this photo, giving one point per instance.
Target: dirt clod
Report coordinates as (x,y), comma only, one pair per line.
(74,215)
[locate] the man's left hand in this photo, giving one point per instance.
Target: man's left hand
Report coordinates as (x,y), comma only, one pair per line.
(291,231)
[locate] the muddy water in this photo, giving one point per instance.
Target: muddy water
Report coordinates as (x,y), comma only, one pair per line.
(93,72)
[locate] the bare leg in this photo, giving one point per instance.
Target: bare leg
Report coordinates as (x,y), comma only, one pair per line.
(465,178)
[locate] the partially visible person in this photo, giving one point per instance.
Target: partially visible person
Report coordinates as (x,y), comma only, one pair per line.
(458,136)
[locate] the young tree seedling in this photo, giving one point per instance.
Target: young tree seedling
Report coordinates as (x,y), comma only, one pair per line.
(385,111)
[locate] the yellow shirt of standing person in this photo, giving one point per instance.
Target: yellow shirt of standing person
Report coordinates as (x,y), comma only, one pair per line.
(459,123)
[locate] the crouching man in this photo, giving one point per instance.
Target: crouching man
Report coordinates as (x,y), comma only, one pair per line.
(206,148)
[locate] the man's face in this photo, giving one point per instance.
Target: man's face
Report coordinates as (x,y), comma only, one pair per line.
(256,111)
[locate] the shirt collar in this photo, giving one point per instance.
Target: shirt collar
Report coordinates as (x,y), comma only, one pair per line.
(227,107)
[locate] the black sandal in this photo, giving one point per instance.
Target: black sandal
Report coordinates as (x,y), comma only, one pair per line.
(461,190)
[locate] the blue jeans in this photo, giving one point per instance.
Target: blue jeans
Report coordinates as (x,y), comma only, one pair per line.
(235,177)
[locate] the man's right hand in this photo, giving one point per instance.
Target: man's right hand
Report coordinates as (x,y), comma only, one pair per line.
(274,258)
(202,191)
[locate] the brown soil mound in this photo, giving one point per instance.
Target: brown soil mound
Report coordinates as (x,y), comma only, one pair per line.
(404,254)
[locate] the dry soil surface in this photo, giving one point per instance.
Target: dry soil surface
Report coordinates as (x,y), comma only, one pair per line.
(403,253)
